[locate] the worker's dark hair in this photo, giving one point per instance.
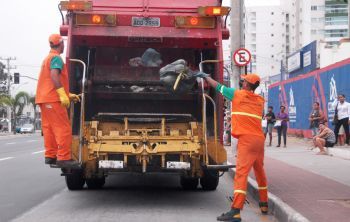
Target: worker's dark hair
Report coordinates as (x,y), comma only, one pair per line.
(253,86)
(270,107)
(342,95)
(54,46)
(317,103)
(282,106)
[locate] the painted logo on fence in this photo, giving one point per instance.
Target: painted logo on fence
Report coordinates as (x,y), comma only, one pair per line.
(292,109)
(333,95)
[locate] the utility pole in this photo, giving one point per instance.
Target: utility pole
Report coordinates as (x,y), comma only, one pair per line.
(237,41)
(237,37)
(9,67)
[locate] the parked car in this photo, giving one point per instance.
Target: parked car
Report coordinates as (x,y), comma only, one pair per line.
(27,128)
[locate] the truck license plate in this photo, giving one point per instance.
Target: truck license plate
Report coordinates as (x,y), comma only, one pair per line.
(110,164)
(148,22)
(178,165)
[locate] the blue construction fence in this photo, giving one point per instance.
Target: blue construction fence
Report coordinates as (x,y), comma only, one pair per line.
(298,94)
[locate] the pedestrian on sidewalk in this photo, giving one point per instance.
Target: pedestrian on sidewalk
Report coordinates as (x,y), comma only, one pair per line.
(326,138)
(53,97)
(342,116)
(316,116)
(247,109)
(283,117)
(271,119)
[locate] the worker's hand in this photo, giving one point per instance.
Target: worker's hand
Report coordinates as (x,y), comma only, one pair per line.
(201,75)
(74,97)
(63,97)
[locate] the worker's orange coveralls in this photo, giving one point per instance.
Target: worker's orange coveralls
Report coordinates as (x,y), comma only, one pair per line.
(54,117)
(247,109)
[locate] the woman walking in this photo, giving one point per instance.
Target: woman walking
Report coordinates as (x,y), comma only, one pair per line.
(283,117)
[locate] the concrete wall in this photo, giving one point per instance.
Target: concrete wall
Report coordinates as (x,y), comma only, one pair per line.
(331,55)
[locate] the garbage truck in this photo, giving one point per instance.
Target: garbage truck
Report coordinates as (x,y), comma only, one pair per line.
(128,121)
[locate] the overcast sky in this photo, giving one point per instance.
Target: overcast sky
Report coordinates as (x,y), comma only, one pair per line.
(25,27)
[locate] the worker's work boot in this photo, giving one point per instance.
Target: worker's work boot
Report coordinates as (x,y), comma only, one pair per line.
(67,164)
(264,207)
(49,160)
(233,215)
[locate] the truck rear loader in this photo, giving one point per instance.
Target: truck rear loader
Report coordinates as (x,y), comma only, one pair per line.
(127,120)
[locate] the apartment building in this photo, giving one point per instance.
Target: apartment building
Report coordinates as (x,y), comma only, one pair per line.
(336,21)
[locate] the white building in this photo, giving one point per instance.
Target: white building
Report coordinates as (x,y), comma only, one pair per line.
(336,21)
(312,21)
(265,37)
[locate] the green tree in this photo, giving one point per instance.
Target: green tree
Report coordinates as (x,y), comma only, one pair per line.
(32,102)
(16,105)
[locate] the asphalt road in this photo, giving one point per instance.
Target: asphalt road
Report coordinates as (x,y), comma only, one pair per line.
(31,191)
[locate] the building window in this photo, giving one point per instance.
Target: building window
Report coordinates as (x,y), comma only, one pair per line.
(271,24)
(272,35)
(272,13)
(272,56)
(314,8)
(272,46)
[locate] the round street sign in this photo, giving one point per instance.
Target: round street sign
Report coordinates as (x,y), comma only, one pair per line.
(242,57)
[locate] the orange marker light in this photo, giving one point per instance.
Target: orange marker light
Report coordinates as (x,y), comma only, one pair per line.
(194,21)
(76,5)
(213,11)
(96,19)
(216,11)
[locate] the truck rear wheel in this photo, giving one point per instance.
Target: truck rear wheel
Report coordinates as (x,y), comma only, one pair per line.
(189,183)
(210,180)
(95,183)
(75,180)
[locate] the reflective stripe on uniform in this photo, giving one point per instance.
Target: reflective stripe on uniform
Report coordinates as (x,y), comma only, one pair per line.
(246,114)
(240,191)
(222,90)
(262,188)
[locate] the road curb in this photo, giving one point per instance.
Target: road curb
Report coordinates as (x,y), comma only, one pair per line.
(282,211)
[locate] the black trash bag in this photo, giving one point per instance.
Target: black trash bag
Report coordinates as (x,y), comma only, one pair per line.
(169,74)
(150,58)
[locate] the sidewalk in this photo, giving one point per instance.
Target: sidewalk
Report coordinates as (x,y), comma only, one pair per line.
(316,186)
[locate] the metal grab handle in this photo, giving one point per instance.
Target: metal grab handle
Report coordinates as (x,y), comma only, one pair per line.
(215,126)
(204,112)
(82,109)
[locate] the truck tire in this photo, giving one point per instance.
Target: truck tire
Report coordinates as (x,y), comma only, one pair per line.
(210,180)
(75,180)
(95,183)
(189,183)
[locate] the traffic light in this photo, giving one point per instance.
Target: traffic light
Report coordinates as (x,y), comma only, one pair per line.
(16,78)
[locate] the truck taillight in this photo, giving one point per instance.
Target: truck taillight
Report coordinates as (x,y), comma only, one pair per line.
(194,22)
(213,11)
(96,19)
(75,5)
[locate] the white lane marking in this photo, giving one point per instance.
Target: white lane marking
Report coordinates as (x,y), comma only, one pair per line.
(10,143)
(6,158)
(30,141)
(41,151)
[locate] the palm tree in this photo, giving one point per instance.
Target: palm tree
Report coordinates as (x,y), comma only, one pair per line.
(16,104)
(32,102)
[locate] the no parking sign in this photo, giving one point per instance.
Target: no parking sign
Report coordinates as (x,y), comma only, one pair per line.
(242,57)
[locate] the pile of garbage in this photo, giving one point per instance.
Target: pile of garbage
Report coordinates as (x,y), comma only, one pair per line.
(177,77)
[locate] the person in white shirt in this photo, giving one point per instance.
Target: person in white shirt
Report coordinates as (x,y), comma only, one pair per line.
(343,109)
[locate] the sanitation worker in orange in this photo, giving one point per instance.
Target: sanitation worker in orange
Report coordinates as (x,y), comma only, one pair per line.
(246,115)
(53,97)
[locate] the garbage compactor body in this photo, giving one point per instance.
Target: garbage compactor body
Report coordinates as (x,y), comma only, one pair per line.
(127,120)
